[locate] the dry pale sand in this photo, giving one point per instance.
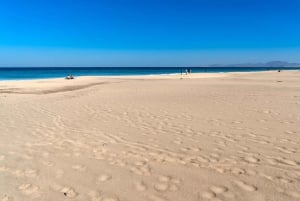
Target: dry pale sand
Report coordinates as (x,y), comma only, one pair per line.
(153,138)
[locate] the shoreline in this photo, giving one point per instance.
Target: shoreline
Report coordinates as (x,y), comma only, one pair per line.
(151,76)
(55,85)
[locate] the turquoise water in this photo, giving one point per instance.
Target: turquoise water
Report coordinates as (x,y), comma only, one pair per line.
(54,72)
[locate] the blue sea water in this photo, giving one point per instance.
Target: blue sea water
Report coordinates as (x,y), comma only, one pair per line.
(55,72)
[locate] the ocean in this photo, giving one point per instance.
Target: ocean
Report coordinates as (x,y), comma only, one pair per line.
(17,73)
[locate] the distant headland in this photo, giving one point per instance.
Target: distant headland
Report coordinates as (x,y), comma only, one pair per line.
(267,64)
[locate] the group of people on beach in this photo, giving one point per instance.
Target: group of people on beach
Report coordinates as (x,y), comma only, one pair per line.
(69,77)
(187,71)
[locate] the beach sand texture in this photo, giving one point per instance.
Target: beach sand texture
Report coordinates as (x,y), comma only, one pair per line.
(226,137)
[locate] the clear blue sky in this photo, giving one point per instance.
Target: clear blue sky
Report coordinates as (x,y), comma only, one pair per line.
(147,32)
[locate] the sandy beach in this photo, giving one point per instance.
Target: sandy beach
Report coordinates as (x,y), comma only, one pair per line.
(206,137)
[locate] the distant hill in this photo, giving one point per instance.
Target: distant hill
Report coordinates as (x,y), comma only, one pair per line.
(281,64)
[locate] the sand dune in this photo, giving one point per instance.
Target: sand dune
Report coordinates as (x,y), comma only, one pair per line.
(226,137)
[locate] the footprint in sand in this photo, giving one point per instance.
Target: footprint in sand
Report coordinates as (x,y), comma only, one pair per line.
(237,122)
(218,189)
(173,187)
(175,181)
(119,163)
(283,180)
(56,187)
(283,161)
(141,170)
(219,170)
(294,175)
(69,192)
(161,186)
(110,198)
(140,163)
(251,172)
(104,177)
(140,186)
(28,189)
(163,178)
(286,150)
(94,196)
(251,159)
(289,162)
(18,173)
(184,149)
(228,194)
(244,186)
(215,191)
(157,198)
(267,112)
(290,132)
(6,198)
(80,168)
(167,183)
(208,195)
(266,176)
(47,163)
(179,142)
(293,194)
(31,173)
(237,171)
